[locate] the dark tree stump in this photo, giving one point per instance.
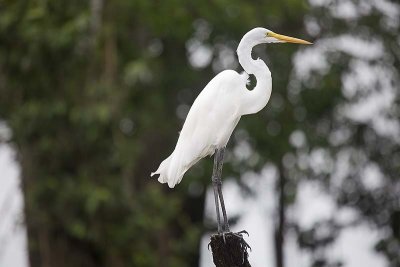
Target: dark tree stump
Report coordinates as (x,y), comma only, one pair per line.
(231,253)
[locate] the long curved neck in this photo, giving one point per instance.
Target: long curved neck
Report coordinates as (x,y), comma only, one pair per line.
(256,99)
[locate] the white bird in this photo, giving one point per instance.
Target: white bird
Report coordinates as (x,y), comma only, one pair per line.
(217,110)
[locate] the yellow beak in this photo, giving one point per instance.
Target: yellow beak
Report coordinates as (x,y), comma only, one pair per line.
(287,39)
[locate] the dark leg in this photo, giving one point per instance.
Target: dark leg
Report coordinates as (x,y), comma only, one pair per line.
(215,182)
(220,161)
(219,198)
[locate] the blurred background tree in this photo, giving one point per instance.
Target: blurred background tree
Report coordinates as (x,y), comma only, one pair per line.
(95,93)
(357,129)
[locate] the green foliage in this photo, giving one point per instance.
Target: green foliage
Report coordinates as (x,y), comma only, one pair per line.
(92,110)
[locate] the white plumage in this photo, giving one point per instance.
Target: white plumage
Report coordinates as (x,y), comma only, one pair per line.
(208,125)
(218,108)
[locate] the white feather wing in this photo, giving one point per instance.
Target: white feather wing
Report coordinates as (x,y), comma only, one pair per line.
(208,125)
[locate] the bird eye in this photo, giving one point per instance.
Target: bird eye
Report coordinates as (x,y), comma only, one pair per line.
(267,34)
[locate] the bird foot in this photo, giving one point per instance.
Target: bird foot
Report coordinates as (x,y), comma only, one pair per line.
(242,232)
(238,235)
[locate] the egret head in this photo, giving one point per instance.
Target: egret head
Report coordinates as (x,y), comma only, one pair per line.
(262,35)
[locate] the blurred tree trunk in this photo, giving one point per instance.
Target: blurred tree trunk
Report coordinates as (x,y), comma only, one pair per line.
(280,225)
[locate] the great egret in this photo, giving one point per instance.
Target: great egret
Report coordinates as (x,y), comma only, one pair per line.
(216,112)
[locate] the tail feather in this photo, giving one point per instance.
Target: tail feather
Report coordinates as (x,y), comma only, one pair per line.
(162,171)
(171,170)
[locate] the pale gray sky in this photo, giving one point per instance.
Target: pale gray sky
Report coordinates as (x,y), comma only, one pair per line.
(13,248)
